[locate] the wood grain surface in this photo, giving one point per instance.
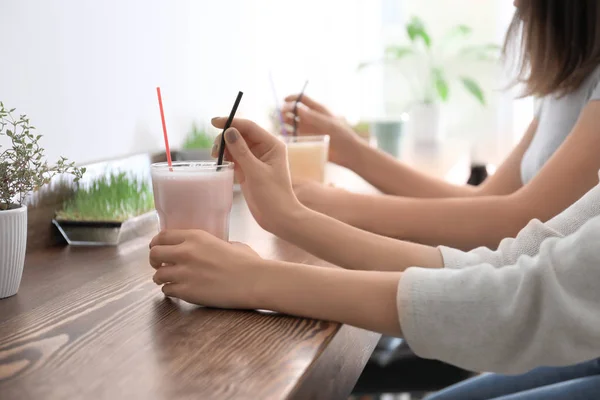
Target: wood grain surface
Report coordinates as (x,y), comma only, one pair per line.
(90,324)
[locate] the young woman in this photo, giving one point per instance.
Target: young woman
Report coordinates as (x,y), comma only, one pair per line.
(553,165)
(532,302)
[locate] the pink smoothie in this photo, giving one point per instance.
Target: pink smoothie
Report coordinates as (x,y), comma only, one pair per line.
(194,195)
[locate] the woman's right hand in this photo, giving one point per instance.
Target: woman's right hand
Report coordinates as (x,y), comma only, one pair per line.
(261,167)
(316,119)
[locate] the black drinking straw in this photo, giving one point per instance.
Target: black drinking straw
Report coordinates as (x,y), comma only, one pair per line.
(296,108)
(227,125)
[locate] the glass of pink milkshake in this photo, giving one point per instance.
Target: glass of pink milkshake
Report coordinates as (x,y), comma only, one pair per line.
(194,195)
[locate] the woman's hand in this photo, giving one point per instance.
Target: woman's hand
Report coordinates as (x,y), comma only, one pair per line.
(261,167)
(195,266)
(315,119)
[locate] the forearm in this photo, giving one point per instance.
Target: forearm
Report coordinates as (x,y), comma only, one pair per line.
(363,299)
(529,239)
(396,178)
(350,247)
(464,223)
(542,310)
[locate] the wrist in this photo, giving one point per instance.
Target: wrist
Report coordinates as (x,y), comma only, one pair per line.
(260,291)
(354,154)
(290,220)
(293,289)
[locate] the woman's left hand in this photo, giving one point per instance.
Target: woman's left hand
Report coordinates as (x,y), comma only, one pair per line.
(199,268)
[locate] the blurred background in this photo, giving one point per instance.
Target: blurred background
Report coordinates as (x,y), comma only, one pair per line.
(86,71)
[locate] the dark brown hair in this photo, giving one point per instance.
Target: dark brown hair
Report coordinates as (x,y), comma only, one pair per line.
(556,44)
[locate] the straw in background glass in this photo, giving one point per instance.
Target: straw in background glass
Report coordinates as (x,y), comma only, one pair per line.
(298,100)
(227,125)
(277,108)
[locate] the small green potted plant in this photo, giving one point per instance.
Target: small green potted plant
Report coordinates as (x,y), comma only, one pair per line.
(112,209)
(430,83)
(23,169)
(197,145)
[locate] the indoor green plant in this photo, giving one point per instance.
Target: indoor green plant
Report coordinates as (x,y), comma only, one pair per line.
(197,145)
(23,169)
(430,86)
(98,213)
(111,198)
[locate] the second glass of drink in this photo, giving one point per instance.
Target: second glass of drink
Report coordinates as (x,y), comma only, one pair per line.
(307,156)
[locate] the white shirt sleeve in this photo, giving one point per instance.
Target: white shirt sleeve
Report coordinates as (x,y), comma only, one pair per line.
(529,240)
(531,303)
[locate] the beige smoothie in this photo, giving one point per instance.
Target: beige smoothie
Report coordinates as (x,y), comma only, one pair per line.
(194,195)
(307,156)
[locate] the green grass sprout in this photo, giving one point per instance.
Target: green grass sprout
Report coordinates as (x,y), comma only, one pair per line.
(113,198)
(198,139)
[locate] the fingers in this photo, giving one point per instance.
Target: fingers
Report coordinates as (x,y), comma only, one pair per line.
(238,148)
(308,117)
(288,118)
(160,255)
(168,238)
(215,149)
(251,141)
(248,129)
(176,290)
(288,108)
(216,146)
(309,102)
(170,274)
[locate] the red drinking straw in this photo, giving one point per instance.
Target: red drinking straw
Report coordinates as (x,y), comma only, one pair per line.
(164,126)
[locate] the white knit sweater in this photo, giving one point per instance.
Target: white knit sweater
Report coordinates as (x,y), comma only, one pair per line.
(535,301)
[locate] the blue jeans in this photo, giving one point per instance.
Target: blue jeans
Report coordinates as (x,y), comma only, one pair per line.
(575,382)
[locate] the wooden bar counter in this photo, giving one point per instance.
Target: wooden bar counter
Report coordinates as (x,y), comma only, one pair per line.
(89,323)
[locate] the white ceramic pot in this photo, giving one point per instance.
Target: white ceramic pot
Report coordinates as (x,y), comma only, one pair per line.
(426,121)
(13,242)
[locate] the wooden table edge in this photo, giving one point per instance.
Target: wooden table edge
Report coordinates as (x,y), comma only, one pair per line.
(336,368)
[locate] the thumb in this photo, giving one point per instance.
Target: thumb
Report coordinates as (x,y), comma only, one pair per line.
(238,148)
